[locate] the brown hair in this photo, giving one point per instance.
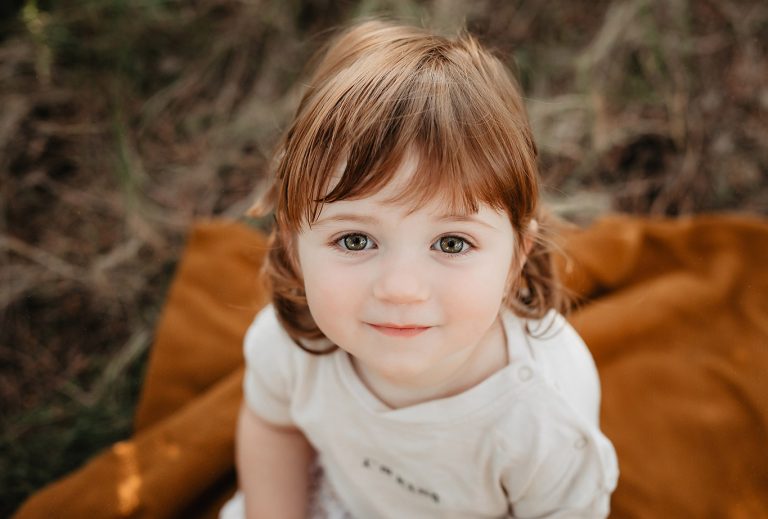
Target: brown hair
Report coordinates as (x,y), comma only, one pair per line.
(379,91)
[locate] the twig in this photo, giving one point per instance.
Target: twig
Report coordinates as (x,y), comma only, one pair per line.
(119,254)
(14,286)
(69,130)
(136,345)
(43,258)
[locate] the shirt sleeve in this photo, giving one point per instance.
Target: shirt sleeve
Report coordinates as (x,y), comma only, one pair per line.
(269,368)
(573,478)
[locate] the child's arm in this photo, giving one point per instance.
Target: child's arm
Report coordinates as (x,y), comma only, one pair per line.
(273,468)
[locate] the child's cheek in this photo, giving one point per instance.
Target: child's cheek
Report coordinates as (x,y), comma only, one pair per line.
(477,293)
(334,295)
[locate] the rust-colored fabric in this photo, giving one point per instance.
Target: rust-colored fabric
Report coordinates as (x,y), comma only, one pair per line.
(675,313)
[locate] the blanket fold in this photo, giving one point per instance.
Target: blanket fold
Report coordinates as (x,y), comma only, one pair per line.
(675,313)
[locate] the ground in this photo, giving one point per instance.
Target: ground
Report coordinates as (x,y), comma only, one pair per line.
(121,123)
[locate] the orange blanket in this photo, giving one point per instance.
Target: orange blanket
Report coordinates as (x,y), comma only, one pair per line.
(676,317)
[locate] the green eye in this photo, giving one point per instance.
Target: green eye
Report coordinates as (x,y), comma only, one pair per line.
(355,241)
(452,244)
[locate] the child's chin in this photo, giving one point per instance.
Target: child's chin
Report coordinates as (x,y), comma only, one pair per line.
(414,373)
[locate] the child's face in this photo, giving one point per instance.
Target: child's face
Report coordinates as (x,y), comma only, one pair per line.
(409,296)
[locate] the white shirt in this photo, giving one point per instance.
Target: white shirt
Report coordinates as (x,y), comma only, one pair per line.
(525,441)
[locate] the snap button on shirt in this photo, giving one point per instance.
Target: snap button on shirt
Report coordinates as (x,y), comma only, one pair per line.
(580,443)
(525,373)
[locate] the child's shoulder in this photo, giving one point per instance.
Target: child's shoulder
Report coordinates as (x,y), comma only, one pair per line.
(265,329)
(565,364)
(267,340)
(556,332)
(556,423)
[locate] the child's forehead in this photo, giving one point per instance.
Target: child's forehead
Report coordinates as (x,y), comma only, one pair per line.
(369,212)
(378,209)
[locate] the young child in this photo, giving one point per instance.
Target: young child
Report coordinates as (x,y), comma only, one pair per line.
(413,351)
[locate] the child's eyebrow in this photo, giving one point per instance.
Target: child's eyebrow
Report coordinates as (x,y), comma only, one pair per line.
(371,220)
(346,217)
(464,218)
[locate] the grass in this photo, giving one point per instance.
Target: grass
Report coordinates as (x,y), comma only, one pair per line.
(127,121)
(45,442)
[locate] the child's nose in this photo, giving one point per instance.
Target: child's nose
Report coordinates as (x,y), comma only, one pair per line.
(400,281)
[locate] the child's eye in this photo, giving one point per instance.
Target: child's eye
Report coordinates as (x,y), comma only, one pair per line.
(355,241)
(452,245)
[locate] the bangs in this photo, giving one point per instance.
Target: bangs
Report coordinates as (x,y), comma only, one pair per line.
(446,104)
(453,182)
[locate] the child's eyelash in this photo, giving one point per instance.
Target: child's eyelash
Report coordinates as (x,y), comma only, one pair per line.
(465,250)
(338,244)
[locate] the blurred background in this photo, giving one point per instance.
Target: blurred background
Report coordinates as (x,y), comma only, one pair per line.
(124,121)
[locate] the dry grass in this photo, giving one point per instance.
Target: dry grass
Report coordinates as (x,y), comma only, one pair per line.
(123,122)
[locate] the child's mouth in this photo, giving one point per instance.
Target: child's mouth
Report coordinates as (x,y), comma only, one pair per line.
(394,330)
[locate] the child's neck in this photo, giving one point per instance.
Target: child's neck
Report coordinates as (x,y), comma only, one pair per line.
(489,356)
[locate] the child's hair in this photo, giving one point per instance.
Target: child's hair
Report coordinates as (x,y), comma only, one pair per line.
(379,92)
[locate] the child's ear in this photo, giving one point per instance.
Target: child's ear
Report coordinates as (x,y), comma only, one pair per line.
(530,237)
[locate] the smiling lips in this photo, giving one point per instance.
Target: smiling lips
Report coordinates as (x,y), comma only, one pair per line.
(394,330)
